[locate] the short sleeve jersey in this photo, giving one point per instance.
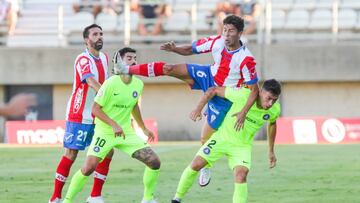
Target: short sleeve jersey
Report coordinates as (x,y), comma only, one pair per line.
(82,98)
(230,68)
(117,100)
(254,120)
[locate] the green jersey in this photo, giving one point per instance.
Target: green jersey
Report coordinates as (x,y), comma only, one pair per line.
(117,100)
(254,120)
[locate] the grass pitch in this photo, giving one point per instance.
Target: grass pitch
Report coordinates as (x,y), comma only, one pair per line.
(304,174)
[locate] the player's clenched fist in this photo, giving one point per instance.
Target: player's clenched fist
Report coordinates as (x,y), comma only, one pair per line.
(195,115)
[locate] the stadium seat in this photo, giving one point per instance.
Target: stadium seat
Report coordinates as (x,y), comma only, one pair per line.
(321,19)
(347,19)
(107,21)
(178,21)
(283,4)
(277,19)
(201,22)
(297,19)
(78,21)
(350,3)
(308,4)
(134,21)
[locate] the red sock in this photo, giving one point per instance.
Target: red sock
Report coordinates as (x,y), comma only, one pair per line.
(100,174)
(62,172)
(148,69)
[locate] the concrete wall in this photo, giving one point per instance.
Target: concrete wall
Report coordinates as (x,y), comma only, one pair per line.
(318,80)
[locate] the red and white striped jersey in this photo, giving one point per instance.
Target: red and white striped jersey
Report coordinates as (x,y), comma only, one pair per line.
(230,68)
(82,98)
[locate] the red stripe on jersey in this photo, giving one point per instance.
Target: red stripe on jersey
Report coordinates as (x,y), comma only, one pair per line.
(250,63)
(100,69)
(212,44)
(224,69)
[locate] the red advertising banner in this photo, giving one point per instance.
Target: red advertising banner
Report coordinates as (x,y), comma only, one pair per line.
(51,132)
(315,130)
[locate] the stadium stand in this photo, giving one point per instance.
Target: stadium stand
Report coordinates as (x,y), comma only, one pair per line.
(54,23)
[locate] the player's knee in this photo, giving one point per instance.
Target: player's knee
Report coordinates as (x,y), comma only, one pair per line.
(88,169)
(154,163)
(71,154)
(168,69)
(241,175)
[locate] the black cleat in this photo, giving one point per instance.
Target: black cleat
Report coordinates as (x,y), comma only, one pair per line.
(174,201)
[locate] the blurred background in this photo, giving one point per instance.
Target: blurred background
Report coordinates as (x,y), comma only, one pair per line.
(311,46)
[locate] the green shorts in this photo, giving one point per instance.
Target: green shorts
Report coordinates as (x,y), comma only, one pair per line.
(102,144)
(217,147)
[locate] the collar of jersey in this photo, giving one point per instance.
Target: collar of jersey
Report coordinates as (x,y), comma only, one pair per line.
(94,57)
(236,50)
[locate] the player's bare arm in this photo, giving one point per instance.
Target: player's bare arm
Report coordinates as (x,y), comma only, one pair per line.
(136,113)
(196,114)
(99,113)
(271,132)
(251,100)
(184,50)
(93,83)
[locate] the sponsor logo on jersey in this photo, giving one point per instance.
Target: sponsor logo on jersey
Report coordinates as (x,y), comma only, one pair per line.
(135,94)
(96,149)
(206,150)
(78,98)
(266,117)
(250,120)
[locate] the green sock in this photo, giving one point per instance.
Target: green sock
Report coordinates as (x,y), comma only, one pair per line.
(76,185)
(240,193)
(186,181)
(150,180)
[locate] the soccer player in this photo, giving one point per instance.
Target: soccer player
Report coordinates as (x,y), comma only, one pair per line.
(90,71)
(116,100)
(234,66)
(233,141)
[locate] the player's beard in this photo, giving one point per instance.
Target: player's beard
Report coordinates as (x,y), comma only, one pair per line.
(98,45)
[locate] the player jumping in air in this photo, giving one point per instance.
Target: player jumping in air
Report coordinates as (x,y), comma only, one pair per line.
(114,104)
(234,143)
(234,66)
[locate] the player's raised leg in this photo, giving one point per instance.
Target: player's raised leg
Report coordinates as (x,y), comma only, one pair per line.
(151,173)
(240,188)
(80,177)
(153,69)
(188,177)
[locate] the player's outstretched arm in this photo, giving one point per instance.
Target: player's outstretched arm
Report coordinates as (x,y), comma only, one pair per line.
(136,113)
(99,113)
(250,101)
(184,50)
(93,83)
(271,132)
(196,115)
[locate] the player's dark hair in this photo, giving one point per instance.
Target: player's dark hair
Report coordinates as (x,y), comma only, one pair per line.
(272,86)
(235,21)
(86,30)
(125,50)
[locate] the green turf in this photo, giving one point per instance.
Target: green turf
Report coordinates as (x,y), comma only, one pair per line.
(304,174)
